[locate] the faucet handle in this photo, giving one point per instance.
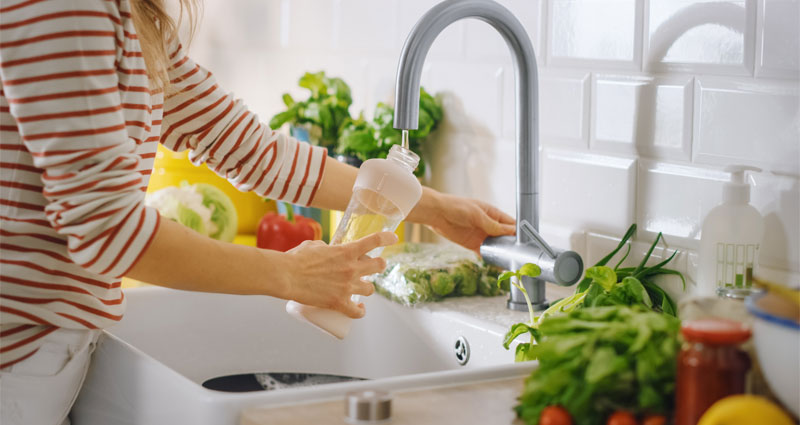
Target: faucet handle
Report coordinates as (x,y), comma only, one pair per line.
(537,238)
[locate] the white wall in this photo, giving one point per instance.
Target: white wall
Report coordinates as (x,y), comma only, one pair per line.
(643,103)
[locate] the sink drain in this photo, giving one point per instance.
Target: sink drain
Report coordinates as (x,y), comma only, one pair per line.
(462,350)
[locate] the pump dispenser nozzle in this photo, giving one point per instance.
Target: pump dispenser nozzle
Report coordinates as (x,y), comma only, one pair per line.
(737,190)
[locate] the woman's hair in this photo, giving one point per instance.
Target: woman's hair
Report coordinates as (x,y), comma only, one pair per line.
(156,29)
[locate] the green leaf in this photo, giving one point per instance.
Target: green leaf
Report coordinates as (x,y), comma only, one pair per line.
(340,90)
(283,117)
(604,276)
(314,82)
(661,298)
(530,270)
(635,291)
(505,276)
(524,353)
(287,100)
(664,263)
(516,330)
(647,256)
(603,363)
(627,251)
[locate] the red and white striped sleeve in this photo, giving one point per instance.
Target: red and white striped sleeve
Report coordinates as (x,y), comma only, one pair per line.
(65,98)
(220,131)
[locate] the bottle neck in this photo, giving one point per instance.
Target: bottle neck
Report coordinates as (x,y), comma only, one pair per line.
(406,158)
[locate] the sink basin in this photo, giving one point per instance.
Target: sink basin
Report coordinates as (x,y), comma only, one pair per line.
(149,368)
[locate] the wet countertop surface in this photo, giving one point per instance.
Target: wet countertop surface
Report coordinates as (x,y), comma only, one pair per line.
(493,310)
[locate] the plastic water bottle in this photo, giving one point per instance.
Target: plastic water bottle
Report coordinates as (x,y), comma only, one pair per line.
(384,193)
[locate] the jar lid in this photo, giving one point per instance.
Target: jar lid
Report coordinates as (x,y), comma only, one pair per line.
(715,331)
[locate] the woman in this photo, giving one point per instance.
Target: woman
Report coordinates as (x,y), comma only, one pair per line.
(89,87)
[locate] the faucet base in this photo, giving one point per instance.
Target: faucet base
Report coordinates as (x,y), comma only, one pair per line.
(523,306)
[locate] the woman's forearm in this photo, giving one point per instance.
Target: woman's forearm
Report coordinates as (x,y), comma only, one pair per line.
(181,258)
(313,273)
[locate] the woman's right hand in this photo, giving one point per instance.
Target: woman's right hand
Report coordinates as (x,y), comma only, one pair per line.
(327,276)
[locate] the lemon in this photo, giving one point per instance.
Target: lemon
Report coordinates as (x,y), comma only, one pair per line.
(744,410)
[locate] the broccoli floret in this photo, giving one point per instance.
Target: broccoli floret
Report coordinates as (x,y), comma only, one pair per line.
(466,275)
(419,291)
(442,283)
(487,286)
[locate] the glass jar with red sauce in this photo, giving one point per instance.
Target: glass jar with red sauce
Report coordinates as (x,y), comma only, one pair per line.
(711,366)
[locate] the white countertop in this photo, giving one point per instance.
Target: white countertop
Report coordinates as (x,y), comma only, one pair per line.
(492,309)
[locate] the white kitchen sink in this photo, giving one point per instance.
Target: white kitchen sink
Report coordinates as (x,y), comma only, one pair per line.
(149,368)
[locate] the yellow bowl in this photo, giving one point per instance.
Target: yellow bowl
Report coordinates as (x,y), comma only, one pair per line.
(172,168)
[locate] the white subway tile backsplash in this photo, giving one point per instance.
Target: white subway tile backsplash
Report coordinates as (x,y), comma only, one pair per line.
(594,33)
(484,42)
(564,108)
(470,164)
(479,87)
(257,23)
(587,191)
(714,36)
(779,39)
(615,110)
(642,115)
(368,25)
(312,24)
(778,200)
(747,123)
(674,199)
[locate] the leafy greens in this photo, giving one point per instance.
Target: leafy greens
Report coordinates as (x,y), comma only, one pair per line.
(326,108)
(365,140)
(596,360)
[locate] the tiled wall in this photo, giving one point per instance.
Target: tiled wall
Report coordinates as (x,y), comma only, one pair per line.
(643,103)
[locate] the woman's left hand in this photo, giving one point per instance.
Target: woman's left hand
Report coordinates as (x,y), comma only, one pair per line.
(464,221)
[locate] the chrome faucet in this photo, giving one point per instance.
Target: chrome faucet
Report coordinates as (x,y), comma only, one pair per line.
(509,252)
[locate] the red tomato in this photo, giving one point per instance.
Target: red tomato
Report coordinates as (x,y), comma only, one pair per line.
(555,415)
(621,418)
(654,420)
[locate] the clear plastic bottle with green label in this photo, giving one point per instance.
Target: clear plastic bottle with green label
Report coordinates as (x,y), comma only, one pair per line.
(730,240)
(384,193)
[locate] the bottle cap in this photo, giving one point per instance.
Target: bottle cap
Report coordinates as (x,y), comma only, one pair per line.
(365,407)
(391,182)
(715,331)
(737,190)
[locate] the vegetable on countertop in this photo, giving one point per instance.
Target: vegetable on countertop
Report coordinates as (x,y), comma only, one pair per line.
(555,415)
(422,272)
(595,361)
(284,232)
(604,286)
(622,417)
(201,207)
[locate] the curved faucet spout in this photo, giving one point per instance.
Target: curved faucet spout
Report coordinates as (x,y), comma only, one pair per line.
(409,70)
(504,252)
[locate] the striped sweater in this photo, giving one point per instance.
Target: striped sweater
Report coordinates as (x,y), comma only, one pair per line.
(79,126)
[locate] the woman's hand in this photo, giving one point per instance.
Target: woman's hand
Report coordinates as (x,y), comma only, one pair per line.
(327,276)
(464,221)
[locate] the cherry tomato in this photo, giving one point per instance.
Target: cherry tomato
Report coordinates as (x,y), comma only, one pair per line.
(555,415)
(654,420)
(621,418)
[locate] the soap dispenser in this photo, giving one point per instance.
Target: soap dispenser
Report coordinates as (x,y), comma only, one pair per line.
(730,240)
